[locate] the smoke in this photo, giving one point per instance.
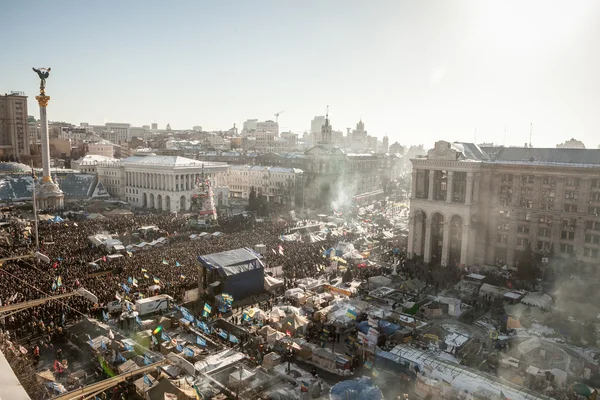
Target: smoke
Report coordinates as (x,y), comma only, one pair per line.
(343,192)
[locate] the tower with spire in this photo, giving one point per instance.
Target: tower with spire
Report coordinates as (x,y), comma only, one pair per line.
(326,131)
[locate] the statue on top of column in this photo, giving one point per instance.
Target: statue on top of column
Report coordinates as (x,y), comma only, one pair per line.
(43,73)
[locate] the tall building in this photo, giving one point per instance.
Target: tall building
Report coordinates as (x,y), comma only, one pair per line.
(249,127)
(316,124)
(277,184)
(14,127)
(470,207)
(118,132)
(325,133)
(268,126)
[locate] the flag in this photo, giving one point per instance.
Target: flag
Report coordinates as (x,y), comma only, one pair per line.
(200,341)
(207,308)
(273,250)
(188,352)
(147,360)
(55,265)
(130,254)
(156,280)
(165,337)
(128,347)
(375,373)
(120,358)
(223,333)
(144,270)
(118,297)
(233,339)
(280,247)
(103,345)
(154,340)
(179,348)
(59,282)
(130,280)
(351,314)
(177,264)
(138,320)
(146,276)
(135,282)
(182,276)
(199,395)
(54,287)
(147,380)
(90,342)
(125,287)
(245,316)
(368,364)
(165,262)
(111,335)
(104,258)
(204,314)
(104,315)
(303,386)
(129,307)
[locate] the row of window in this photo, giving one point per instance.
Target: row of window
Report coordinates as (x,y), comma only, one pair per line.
(563,248)
(546,180)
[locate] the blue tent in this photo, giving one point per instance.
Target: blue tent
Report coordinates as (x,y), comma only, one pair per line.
(362,388)
(384,327)
(57,219)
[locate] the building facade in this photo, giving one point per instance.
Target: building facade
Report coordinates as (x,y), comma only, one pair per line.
(102,148)
(277,184)
(167,183)
(14,126)
(469,207)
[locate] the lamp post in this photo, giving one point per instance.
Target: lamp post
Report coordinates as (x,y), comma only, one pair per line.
(545,264)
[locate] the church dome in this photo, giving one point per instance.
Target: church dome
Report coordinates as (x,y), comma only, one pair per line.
(13,168)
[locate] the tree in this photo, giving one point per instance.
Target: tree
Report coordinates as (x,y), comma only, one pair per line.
(526,267)
(252,203)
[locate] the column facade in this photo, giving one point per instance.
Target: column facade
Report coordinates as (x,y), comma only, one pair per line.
(469,193)
(449,186)
(431,174)
(413,184)
(411,235)
(464,244)
(445,243)
(427,255)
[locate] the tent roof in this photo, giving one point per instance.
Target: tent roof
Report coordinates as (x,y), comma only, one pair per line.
(232,262)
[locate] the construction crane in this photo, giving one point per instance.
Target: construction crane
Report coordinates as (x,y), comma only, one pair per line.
(277,116)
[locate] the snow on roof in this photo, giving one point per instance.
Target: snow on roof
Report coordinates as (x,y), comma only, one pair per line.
(463,378)
(218,361)
(171,161)
(476,276)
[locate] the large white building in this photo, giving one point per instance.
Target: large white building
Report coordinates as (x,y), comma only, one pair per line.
(117,132)
(277,184)
(101,148)
(268,126)
(167,183)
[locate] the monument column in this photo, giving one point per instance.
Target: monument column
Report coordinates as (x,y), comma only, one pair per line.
(49,194)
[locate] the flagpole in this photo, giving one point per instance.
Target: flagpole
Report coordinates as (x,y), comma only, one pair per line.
(35,218)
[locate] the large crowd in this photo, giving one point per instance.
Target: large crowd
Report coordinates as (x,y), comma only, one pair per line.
(79,263)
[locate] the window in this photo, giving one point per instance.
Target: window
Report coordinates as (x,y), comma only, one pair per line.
(528,179)
(591,253)
(571,194)
(502,238)
(570,208)
(569,222)
(523,229)
(567,235)
(572,181)
(526,191)
(504,227)
(594,197)
(594,239)
(548,193)
(543,245)
(567,248)
(544,232)
(546,219)
(549,180)
(522,242)
(592,225)
(526,203)
(549,207)
(596,183)
(593,211)
(506,178)
(507,189)
(503,214)
(524,216)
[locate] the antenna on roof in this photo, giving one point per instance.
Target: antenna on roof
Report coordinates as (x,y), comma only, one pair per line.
(530,132)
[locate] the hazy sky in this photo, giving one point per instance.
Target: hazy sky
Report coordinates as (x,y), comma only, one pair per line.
(417,70)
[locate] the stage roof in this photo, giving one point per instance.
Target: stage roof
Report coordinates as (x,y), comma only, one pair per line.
(232,262)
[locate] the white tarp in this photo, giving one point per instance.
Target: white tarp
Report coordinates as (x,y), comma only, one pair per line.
(10,387)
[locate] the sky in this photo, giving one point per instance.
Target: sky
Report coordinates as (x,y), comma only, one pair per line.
(418,71)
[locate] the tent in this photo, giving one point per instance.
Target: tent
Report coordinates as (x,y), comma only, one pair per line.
(272,283)
(362,388)
(241,271)
(57,219)
(293,324)
(325,358)
(378,281)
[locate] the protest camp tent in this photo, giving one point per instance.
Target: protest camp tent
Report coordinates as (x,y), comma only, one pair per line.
(293,324)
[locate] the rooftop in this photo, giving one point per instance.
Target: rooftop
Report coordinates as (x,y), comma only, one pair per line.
(550,156)
(168,161)
(13,168)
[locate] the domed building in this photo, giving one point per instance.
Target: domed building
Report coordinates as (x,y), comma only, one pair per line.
(14,168)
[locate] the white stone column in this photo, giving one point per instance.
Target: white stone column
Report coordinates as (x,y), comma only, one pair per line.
(45,140)
(464,245)
(431,174)
(449,186)
(445,243)
(469,194)
(411,235)
(427,255)
(413,190)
